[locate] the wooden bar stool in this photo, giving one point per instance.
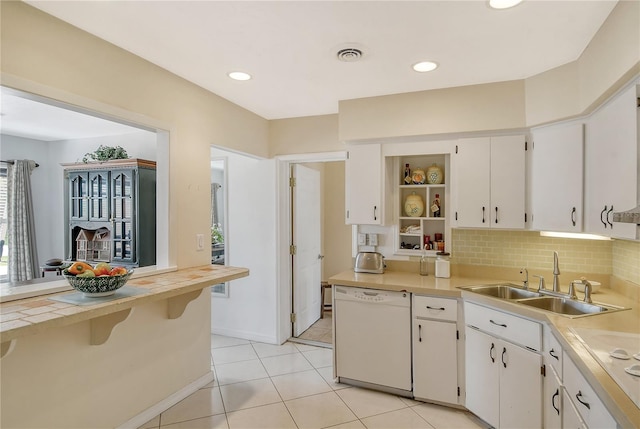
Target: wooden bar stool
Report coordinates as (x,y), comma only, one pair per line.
(323,307)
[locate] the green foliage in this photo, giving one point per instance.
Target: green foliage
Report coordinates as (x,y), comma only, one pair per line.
(217,236)
(105,153)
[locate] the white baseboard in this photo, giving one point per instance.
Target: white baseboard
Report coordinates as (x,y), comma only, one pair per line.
(167,403)
(245,335)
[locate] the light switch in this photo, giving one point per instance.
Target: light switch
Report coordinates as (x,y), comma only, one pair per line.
(199,242)
(362,239)
(372,239)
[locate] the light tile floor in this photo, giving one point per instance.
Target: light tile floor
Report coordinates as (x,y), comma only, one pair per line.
(321,330)
(291,386)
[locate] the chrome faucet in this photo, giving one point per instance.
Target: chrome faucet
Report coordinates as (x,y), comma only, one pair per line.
(556,273)
(587,291)
(526,277)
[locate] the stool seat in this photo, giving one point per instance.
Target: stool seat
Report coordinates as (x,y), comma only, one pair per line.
(323,306)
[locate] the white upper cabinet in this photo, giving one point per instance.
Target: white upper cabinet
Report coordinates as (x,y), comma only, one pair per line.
(490,182)
(556,177)
(611,165)
(363,192)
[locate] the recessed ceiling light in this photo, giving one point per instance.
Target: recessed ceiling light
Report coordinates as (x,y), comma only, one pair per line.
(504,4)
(425,66)
(236,75)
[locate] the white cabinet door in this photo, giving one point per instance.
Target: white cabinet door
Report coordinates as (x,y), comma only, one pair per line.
(507,182)
(611,169)
(435,362)
(552,399)
(482,376)
(520,387)
(570,416)
(490,182)
(556,188)
(363,187)
(472,183)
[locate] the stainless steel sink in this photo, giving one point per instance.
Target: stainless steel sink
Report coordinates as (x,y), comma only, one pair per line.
(566,306)
(502,291)
(531,298)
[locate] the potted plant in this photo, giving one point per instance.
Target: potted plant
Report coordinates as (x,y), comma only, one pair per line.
(105,153)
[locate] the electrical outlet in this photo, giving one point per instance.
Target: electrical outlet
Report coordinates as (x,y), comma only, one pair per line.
(199,242)
(362,239)
(372,239)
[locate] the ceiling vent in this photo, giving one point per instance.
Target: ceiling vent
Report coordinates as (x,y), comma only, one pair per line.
(349,55)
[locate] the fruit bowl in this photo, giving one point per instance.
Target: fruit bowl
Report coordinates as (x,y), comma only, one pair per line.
(97,286)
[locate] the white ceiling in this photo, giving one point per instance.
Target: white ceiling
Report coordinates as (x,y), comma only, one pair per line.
(290,46)
(27,118)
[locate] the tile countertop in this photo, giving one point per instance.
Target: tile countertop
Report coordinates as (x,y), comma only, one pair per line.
(32,315)
(619,404)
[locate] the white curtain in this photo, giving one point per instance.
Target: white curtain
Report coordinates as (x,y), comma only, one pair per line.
(21,230)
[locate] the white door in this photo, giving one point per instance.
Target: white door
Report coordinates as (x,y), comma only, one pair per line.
(482,358)
(306,239)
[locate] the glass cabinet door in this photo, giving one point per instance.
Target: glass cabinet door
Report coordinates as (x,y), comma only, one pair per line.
(99,196)
(78,188)
(122,215)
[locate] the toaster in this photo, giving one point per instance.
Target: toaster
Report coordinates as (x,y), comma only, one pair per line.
(369,262)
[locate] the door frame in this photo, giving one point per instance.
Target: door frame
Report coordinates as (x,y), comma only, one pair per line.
(284,278)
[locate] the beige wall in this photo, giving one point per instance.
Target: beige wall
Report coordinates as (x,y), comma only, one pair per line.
(493,106)
(337,235)
(46,52)
(309,134)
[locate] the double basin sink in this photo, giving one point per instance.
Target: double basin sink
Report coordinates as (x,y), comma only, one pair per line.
(558,305)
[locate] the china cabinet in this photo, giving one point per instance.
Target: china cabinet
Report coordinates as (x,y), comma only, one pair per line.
(111,208)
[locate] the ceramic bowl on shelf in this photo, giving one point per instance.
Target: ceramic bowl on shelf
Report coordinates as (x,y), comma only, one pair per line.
(97,286)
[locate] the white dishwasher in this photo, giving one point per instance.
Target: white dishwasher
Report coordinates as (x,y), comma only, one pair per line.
(372,342)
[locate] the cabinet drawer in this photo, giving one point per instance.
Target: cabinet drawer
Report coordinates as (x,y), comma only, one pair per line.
(584,398)
(430,307)
(520,331)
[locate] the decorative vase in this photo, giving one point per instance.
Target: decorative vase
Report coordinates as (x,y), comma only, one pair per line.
(413,205)
(418,177)
(434,175)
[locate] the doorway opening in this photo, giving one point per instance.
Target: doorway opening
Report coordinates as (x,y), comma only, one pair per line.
(320,246)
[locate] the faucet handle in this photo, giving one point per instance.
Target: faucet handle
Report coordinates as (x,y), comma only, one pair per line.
(541,284)
(572,290)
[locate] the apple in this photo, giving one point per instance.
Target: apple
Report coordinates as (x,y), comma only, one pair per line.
(118,271)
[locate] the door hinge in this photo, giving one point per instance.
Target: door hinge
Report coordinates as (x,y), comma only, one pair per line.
(292,182)
(458,390)
(543,371)
(293,317)
(292,249)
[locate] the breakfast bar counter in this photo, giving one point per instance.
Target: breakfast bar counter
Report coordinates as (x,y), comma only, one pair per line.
(112,363)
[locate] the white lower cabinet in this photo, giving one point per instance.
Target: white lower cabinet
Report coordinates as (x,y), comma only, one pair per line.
(552,399)
(570,416)
(503,379)
(582,396)
(435,345)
